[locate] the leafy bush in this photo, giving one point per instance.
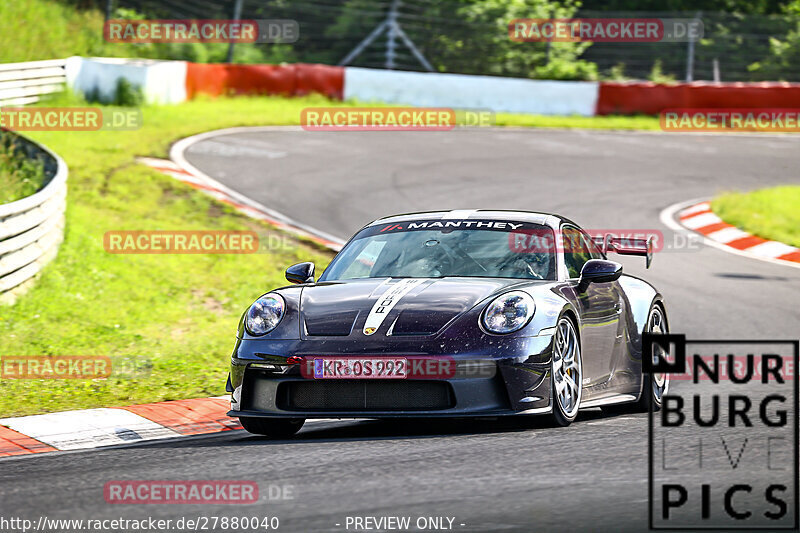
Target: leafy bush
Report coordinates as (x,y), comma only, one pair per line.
(784,57)
(616,73)
(566,69)
(657,74)
(125,94)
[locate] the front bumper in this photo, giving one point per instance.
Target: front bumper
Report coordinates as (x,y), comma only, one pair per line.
(518,383)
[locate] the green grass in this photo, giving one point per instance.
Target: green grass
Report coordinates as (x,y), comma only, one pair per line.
(19,177)
(48,29)
(172,315)
(772,213)
(611,122)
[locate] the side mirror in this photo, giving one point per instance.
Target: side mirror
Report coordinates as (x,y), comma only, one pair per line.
(600,271)
(302,273)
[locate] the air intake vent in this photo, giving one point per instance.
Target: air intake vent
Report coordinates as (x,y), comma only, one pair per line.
(344,395)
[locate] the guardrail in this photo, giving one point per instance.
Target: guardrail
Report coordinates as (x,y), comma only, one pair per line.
(31,229)
(25,83)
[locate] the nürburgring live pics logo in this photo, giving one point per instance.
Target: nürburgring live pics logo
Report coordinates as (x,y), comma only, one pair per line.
(723,449)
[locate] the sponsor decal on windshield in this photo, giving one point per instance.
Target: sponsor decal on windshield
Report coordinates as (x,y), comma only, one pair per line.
(451,225)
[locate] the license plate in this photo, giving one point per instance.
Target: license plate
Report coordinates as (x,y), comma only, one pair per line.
(360,368)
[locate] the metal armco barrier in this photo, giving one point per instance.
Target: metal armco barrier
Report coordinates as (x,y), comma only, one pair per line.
(25,83)
(31,229)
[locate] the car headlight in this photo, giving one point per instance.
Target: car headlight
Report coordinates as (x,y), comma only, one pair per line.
(264,314)
(509,312)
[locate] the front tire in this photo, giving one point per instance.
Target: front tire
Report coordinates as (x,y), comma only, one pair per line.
(566,373)
(276,428)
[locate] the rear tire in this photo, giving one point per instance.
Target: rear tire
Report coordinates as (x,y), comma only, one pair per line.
(276,428)
(654,386)
(566,373)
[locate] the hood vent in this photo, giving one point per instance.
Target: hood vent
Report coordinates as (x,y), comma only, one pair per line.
(334,325)
(420,322)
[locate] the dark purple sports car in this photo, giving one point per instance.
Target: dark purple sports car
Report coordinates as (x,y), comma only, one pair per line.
(450,314)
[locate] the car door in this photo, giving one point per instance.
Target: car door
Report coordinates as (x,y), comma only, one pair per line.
(599,305)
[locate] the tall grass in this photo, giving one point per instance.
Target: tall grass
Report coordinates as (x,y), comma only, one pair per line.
(19,176)
(31,30)
(44,29)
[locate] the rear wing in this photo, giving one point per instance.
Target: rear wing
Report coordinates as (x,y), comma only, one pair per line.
(628,246)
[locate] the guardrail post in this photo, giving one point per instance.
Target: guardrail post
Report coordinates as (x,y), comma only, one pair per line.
(237,14)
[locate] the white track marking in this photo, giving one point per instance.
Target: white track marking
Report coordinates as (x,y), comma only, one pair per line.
(696,209)
(88,428)
(727,235)
(771,249)
(698,221)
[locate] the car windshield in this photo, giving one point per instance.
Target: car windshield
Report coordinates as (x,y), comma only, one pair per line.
(433,249)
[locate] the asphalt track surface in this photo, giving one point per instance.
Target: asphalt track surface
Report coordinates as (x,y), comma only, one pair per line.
(487,475)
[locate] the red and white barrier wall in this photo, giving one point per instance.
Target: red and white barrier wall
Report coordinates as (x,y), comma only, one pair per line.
(162,82)
(176,81)
(629,98)
(538,97)
(289,80)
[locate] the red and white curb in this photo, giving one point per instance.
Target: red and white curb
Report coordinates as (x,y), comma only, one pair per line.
(110,426)
(697,216)
(92,428)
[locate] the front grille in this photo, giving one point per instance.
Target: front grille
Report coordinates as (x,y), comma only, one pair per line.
(364,395)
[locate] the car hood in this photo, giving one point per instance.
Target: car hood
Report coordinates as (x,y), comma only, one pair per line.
(393,306)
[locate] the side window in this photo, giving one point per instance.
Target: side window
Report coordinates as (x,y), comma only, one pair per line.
(594,249)
(578,248)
